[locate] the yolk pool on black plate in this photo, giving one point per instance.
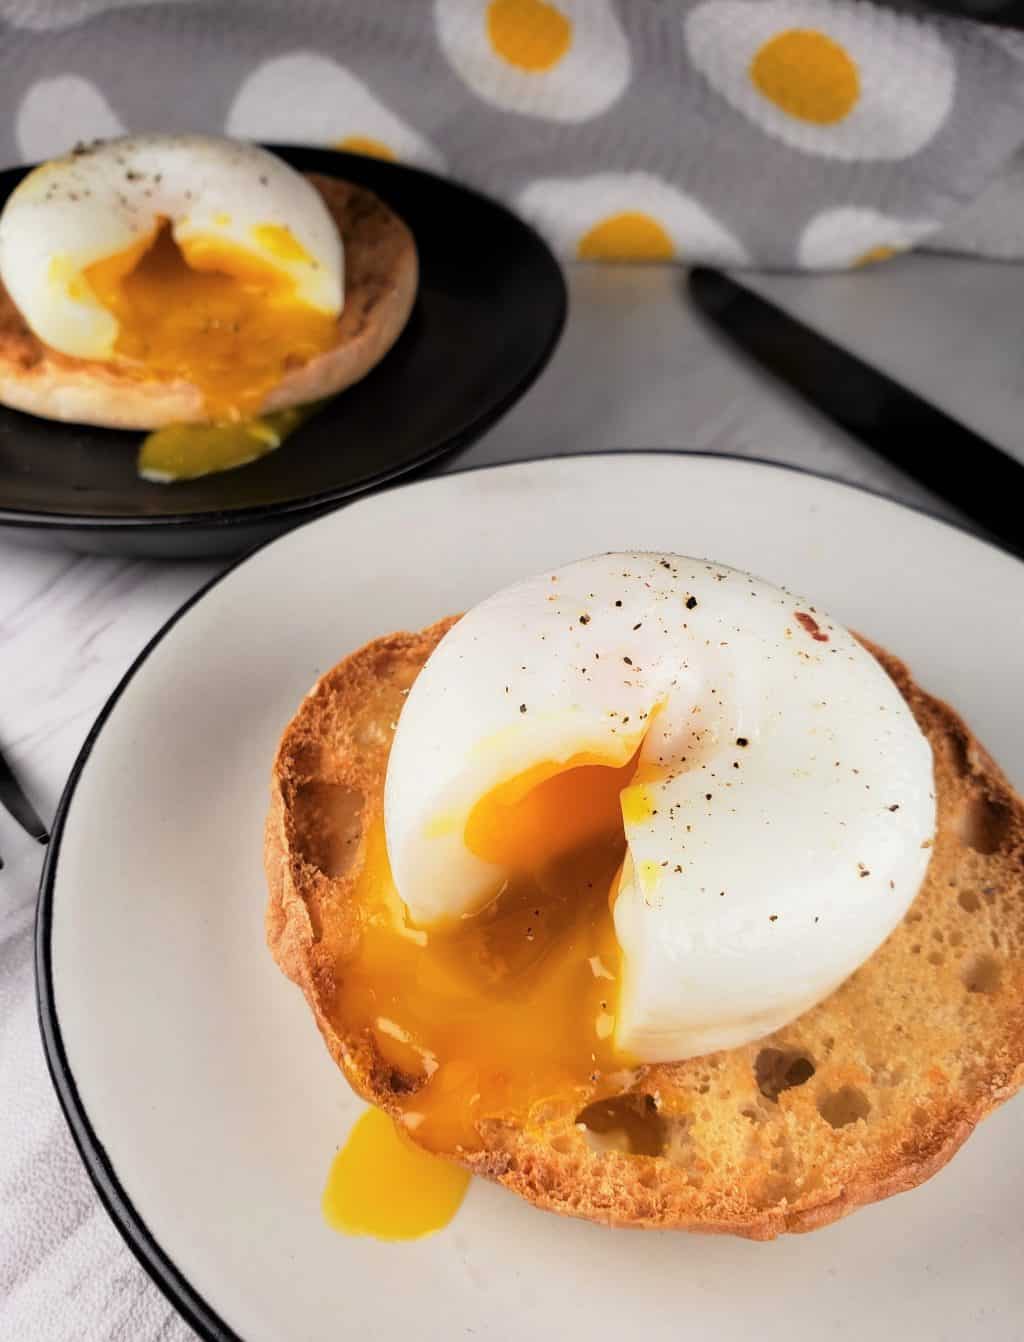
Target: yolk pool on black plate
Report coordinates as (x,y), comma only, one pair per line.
(224,320)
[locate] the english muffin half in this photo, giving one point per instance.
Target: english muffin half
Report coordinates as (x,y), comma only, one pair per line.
(865,1095)
(381,275)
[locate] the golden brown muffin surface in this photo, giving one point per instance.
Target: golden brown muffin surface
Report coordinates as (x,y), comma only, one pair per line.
(865,1095)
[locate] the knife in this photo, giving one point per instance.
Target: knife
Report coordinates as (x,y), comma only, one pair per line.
(19,806)
(965,470)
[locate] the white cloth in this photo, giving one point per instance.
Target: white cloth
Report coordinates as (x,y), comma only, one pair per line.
(65,1272)
(69,628)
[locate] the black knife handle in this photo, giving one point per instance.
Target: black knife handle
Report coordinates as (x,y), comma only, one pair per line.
(938,451)
(15,801)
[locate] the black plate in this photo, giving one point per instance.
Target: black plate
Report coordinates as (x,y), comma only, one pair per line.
(489,312)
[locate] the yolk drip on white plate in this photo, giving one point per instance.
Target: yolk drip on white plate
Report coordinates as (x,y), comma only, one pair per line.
(517,1000)
(382,1184)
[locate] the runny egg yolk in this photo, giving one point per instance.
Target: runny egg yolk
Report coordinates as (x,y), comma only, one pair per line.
(212,314)
(382,1184)
(514,1005)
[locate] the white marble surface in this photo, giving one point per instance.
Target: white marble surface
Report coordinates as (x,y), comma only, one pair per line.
(635,369)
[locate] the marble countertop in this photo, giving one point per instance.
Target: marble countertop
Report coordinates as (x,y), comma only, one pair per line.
(635,369)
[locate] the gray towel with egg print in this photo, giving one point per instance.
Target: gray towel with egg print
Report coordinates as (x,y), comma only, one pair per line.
(811,134)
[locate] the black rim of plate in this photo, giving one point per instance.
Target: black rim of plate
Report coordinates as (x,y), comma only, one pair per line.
(306,507)
(139,1238)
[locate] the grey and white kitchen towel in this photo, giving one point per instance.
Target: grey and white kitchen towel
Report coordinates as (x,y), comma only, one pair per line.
(814,134)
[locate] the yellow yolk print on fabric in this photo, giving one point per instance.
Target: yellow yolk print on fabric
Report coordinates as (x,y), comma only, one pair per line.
(819,77)
(836,239)
(561,60)
(344,115)
(775,120)
(629,216)
(806,74)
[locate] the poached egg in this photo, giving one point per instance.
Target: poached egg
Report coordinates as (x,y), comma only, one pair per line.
(186,256)
(710,787)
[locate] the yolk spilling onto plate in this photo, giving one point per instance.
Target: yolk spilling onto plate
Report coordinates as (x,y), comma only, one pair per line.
(214,315)
(381,1184)
(186,451)
(514,1005)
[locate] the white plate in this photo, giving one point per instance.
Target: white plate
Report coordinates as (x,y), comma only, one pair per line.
(200,1094)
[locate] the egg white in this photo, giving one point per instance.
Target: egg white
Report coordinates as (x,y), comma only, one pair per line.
(788,798)
(72,212)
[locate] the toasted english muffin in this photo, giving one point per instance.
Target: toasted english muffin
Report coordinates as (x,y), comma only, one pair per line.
(381,275)
(866,1095)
